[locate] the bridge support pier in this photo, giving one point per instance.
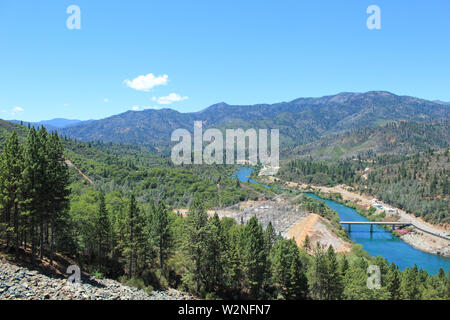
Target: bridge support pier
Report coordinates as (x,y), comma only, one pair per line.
(349,228)
(371,228)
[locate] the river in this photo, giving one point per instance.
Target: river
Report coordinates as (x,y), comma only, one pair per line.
(379,243)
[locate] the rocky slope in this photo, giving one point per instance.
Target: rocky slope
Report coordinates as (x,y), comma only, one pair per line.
(21,283)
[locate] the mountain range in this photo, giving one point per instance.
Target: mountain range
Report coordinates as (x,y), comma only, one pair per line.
(53,124)
(300,121)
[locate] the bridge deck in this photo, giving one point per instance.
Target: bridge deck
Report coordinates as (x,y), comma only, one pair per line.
(377,222)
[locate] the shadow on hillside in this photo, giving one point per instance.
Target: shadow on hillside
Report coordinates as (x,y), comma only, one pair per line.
(55,271)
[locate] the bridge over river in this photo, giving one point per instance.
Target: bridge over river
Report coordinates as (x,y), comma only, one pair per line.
(371,223)
(391,223)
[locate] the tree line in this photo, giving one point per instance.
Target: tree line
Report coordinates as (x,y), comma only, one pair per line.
(33,193)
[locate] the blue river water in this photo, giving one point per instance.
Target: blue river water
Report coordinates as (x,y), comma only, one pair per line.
(244,173)
(379,243)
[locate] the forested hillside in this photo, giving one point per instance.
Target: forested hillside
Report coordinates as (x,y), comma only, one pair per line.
(419,184)
(299,121)
(401,138)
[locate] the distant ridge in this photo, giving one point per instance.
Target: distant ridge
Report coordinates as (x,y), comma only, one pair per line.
(300,121)
(53,124)
(441,102)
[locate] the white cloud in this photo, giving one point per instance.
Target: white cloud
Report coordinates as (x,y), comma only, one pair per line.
(137,108)
(106,100)
(16,110)
(13,111)
(145,83)
(173,97)
(66,104)
(150,107)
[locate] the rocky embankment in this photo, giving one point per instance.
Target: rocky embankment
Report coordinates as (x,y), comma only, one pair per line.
(427,243)
(21,283)
(318,230)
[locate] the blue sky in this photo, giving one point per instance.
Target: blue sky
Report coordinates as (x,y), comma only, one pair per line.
(195,53)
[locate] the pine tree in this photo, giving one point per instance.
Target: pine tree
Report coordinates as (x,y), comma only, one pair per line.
(298,286)
(410,283)
(215,255)
(318,275)
(269,237)
(307,243)
(130,246)
(334,285)
(44,188)
(233,273)
(343,267)
(103,229)
(58,182)
(162,234)
(32,193)
(287,270)
(196,243)
(11,167)
(254,262)
(393,282)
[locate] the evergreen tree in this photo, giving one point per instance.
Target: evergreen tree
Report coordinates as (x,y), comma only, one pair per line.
(103,229)
(254,258)
(393,282)
(44,188)
(409,284)
(343,266)
(318,275)
(32,187)
(287,270)
(215,256)
(162,235)
(196,244)
(58,182)
(11,167)
(334,285)
(298,286)
(307,243)
(130,246)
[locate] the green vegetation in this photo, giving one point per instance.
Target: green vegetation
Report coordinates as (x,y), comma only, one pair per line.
(417,183)
(393,137)
(33,193)
(122,227)
(320,172)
